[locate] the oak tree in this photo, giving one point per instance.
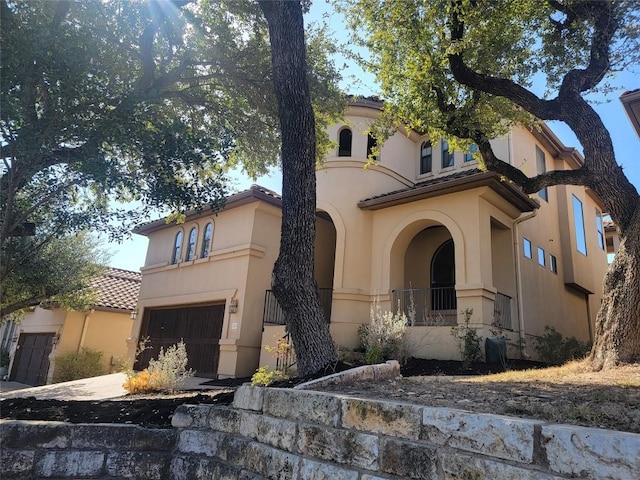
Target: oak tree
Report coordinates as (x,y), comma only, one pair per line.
(465,69)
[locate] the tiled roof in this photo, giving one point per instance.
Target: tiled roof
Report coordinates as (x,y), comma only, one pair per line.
(117,288)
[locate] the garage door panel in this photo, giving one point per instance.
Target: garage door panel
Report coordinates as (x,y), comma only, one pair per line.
(200,327)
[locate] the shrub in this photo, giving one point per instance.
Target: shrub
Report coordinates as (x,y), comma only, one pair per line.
(166,374)
(382,338)
(76,365)
(468,340)
(4,357)
(554,349)
(264,376)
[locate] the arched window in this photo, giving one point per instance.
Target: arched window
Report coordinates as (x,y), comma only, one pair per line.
(426,156)
(371,144)
(344,142)
(443,277)
(175,258)
(191,246)
(206,240)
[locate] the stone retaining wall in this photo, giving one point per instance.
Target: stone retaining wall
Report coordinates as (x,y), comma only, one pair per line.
(298,434)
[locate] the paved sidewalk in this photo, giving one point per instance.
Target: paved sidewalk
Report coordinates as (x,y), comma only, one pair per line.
(94,388)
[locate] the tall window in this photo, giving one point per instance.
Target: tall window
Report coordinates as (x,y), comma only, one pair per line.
(541,257)
(206,240)
(175,258)
(541,166)
(468,157)
(553,263)
(426,157)
(526,245)
(600,228)
(344,142)
(447,155)
(578,223)
(371,145)
(191,246)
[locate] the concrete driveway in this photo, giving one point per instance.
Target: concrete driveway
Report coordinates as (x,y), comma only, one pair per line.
(94,388)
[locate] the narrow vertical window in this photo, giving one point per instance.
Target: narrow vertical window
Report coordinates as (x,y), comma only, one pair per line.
(541,257)
(553,263)
(372,143)
(191,246)
(526,245)
(447,155)
(541,167)
(344,142)
(426,157)
(175,258)
(468,157)
(600,228)
(578,224)
(206,240)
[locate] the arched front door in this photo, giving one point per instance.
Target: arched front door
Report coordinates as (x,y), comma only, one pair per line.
(443,278)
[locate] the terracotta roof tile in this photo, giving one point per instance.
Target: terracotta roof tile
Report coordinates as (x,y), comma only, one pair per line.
(117,288)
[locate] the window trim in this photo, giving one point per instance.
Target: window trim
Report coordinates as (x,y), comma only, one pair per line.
(177,248)
(527,245)
(446,153)
(207,242)
(579,225)
(553,263)
(542,257)
(427,144)
(191,244)
(340,145)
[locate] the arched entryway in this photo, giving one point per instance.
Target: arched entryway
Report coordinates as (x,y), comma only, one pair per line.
(424,276)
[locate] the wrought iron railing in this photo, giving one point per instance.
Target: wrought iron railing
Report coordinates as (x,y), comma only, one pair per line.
(427,306)
(502,311)
(274,314)
(285,356)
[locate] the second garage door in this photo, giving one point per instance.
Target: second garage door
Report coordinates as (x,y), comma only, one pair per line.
(200,327)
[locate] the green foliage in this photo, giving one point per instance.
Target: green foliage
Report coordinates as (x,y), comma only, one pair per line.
(468,340)
(133,101)
(58,269)
(76,365)
(382,337)
(4,357)
(167,373)
(554,349)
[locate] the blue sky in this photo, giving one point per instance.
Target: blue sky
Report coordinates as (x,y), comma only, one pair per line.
(130,254)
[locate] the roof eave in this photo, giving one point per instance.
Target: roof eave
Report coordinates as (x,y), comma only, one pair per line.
(491,179)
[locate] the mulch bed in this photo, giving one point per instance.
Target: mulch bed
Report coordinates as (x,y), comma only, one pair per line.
(155,411)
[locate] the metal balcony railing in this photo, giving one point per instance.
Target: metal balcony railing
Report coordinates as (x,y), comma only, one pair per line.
(502,311)
(427,306)
(274,314)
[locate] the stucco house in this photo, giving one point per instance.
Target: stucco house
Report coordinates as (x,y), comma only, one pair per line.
(424,230)
(47,330)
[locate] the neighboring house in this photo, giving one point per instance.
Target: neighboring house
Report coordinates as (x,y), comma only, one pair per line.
(49,331)
(631,102)
(423,230)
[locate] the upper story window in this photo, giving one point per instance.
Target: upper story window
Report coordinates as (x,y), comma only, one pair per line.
(578,223)
(447,155)
(175,258)
(541,167)
(600,228)
(526,248)
(206,240)
(468,157)
(553,263)
(191,246)
(541,257)
(372,143)
(344,142)
(426,157)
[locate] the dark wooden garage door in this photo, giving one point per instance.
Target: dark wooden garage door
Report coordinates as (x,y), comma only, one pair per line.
(31,364)
(199,327)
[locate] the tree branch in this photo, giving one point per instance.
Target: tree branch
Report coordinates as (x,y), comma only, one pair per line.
(21,305)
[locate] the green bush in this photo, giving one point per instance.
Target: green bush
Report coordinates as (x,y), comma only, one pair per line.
(382,338)
(554,349)
(468,340)
(165,374)
(76,365)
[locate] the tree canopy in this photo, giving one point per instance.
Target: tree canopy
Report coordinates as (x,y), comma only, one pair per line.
(138,101)
(465,69)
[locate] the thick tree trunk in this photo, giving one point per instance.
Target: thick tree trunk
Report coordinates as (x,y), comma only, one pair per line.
(293,280)
(617,337)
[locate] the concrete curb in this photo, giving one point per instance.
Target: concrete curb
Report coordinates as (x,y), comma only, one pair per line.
(382,371)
